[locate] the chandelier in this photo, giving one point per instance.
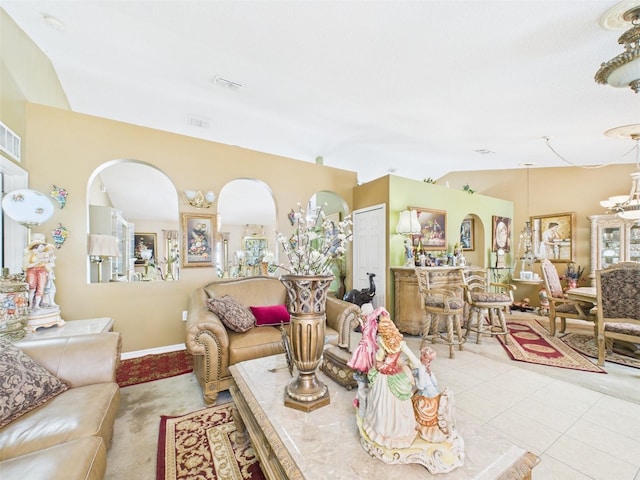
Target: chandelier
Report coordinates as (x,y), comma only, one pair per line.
(623,70)
(627,206)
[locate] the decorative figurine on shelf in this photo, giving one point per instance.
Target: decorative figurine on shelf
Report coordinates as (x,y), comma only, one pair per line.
(408,253)
(401,415)
(39,263)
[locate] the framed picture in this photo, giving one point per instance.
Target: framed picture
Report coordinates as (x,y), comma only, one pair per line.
(553,236)
(466,234)
(145,248)
(501,234)
(433,229)
(198,234)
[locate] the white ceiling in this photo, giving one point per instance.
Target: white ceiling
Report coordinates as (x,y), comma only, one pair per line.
(413,88)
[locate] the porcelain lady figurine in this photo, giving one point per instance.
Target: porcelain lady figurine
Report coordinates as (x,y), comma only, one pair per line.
(388,418)
(426,400)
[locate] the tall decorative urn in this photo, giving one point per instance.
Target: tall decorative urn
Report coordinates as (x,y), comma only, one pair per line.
(307,296)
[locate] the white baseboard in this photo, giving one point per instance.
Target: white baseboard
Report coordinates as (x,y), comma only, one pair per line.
(153,351)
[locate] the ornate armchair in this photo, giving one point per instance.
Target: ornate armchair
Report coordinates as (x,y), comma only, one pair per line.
(618,300)
(559,305)
(485,304)
(441,290)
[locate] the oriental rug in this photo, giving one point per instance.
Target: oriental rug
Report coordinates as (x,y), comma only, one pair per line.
(147,368)
(202,444)
(530,342)
(586,345)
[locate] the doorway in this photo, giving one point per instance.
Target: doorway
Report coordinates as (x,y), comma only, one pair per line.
(369,250)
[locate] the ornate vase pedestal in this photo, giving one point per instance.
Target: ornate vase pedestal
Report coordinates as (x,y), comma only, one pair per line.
(307,297)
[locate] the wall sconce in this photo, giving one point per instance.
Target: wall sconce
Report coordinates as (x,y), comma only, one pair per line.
(100,248)
(200,200)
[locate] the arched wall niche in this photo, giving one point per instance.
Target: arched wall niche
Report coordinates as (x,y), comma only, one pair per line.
(336,209)
(476,254)
(247,220)
(133,201)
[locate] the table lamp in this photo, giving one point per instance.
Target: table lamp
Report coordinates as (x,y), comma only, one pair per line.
(100,248)
(27,207)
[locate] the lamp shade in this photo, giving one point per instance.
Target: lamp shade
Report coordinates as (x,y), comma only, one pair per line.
(27,207)
(408,223)
(103,246)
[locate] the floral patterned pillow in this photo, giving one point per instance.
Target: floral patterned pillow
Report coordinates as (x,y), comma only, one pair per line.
(24,383)
(232,313)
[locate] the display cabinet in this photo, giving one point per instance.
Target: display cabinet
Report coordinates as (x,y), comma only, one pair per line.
(613,240)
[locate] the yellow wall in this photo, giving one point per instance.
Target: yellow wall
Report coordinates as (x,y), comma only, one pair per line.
(551,191)
(64,148)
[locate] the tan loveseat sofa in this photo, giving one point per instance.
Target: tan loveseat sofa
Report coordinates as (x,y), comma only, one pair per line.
(67,437)
(215,347)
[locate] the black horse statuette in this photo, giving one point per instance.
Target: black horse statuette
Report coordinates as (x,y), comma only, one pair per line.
(360,297)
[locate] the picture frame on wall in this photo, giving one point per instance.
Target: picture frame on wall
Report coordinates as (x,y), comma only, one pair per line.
(198,240)
(433,229)
(144,242)
(501,234)
(554,236)
(467,234)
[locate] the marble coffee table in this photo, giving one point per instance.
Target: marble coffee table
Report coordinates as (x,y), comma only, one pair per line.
(325,443)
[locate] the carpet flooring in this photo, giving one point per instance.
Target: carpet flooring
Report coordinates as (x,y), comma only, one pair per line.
(586,345)
(202,444)
(528,341)
(148,368)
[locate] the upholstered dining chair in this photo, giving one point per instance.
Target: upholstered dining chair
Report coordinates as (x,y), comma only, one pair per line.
(559,305)
(441,290)
(487,303)
(618,306)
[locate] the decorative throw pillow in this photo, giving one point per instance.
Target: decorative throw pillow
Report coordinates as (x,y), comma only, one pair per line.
(232,313)
(270,315)
(24,383)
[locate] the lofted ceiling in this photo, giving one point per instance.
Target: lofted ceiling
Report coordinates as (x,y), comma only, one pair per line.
(413,88)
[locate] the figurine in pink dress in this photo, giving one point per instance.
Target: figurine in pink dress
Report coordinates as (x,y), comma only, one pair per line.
(364,355)
(388,418)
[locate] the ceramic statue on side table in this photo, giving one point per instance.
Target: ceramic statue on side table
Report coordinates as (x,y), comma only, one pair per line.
(39,263)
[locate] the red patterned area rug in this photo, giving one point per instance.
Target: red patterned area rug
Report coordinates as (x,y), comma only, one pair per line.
(586,345)
(202,445)
(530,342)
(144,369)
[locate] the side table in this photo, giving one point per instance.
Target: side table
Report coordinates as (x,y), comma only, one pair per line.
(72,328)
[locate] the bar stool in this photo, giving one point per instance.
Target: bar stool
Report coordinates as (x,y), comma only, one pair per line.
(441,291)
(486,308)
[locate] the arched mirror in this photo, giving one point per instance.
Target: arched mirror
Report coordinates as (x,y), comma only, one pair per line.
(133,224)
(247,229)
(335,210)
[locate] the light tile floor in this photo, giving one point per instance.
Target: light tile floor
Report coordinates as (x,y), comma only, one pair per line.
(582,425)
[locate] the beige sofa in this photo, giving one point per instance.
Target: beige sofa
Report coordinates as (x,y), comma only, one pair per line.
(215,347)
(67,437)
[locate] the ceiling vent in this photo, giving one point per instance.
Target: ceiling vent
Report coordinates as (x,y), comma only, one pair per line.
(223,82)
(200,122)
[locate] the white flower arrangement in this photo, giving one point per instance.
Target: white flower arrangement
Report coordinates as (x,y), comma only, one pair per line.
(315,244)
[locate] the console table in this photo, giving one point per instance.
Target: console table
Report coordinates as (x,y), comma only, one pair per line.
(325,443)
